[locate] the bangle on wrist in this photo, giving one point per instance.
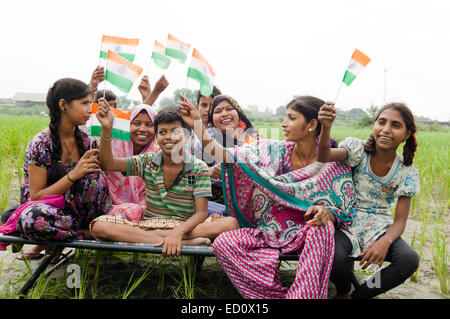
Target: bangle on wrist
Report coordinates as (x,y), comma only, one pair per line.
(324,147)
(106,139)
(70,180)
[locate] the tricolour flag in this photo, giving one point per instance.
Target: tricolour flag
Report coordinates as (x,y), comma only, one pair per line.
(201,71)
(124,47)
(121,126)
(159,55)
(177,49)
(357,63)
(121,72)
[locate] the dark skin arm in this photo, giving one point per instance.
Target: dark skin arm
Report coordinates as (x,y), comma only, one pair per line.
(376,253)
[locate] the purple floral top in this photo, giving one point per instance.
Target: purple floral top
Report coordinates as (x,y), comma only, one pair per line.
(88,197)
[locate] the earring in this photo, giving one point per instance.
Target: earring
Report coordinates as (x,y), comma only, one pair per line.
(310,130)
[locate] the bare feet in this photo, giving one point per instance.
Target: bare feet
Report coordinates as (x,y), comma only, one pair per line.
(199,241)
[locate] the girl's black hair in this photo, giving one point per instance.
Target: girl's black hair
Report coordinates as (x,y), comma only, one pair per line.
(410,144)
(309,106)
(68,89)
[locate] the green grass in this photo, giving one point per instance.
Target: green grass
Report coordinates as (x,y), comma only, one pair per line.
(123,275)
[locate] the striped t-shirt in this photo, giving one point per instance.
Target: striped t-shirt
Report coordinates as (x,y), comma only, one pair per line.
(193,182)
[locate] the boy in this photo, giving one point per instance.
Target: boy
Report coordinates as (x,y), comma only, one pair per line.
(177,187)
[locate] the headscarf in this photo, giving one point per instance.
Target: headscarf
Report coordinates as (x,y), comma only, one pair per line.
(130,189)
(244,122)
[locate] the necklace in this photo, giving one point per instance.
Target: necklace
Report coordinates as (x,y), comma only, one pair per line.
(70,151)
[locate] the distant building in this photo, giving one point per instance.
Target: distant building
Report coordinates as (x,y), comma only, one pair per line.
(29,99)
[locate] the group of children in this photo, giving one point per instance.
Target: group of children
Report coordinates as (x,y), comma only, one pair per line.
(173,191)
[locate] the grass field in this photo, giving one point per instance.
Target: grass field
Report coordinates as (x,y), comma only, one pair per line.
(121,275)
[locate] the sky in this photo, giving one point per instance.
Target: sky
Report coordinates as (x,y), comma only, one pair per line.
(263,52)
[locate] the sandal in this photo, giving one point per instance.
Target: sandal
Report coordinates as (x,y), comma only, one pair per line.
(30,256)
(34,253)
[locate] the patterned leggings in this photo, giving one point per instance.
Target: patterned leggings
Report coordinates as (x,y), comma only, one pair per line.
(251,262)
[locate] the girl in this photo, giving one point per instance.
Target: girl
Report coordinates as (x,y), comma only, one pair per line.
(273,188)
(380,176)
(229,127)
(58,162)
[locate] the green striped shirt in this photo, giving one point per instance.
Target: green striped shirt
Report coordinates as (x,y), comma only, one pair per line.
(178,201)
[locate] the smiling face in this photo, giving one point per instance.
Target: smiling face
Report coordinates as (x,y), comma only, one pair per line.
(170,137)
(225,116)
(295,127)
(142,131)
(389,130)
(203,108)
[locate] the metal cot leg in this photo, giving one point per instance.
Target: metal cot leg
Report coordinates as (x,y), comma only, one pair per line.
(50,253)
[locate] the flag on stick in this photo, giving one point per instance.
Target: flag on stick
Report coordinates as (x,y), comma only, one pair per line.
(159,55)
(121,72)
(201,71)
(177,49)
(121,126)
(357,63)
(124,47)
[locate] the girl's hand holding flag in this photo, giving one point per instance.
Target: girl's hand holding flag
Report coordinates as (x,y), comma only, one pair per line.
(106,118)
(98,76)
(327,114)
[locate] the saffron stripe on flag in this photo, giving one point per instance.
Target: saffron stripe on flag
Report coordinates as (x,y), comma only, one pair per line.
(360,57)
(119,40)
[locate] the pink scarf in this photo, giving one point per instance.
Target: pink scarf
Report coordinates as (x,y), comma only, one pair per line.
(129,189)
(9,227)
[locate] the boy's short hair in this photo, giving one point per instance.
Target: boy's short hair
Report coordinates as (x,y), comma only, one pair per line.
(214,93)
(109,95)
(169,114)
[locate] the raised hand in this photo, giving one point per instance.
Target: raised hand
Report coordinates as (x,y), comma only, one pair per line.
(98,76)
(144,87)
(88,163)
(104,114)
(327,114)
(189,113)
(161,84)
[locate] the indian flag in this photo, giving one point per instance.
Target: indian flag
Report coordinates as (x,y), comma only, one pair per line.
(121,72)
(177,49)
(124,47)
(121,126)
(357,63)
(159,55)
(201,71)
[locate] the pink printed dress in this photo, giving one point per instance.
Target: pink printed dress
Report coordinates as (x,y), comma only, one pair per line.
(269,200)
(128,193)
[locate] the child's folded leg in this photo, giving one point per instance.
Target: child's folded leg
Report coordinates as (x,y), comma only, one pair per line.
(118,229)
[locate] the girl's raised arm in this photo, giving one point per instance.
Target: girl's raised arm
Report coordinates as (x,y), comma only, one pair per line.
(106,118)
(325,153)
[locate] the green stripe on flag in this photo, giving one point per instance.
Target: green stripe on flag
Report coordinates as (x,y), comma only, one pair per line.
(176,54)
(121,82)
(206,87)
(161,60)
(116,133)
(348,77)
(128,56)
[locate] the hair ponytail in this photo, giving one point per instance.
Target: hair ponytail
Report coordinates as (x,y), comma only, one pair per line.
(409,149)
